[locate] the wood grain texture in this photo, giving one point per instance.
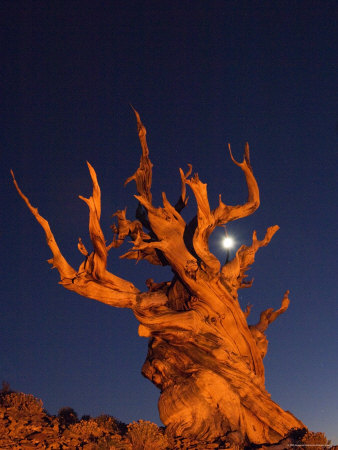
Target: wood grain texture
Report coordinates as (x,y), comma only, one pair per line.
(202,354)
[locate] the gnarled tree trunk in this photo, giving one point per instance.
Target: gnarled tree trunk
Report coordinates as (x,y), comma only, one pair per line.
(203,356)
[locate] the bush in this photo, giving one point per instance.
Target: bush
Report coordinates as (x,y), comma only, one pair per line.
(301,436)
(115,442)
(25,404)
(67,416)
(111,424)
(87,430)
(316,439)
(145,435)
(85,417)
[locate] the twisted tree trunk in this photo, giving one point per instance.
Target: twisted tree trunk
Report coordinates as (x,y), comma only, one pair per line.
(203,356)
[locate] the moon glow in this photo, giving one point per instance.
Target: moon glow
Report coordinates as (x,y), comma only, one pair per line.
(228,242)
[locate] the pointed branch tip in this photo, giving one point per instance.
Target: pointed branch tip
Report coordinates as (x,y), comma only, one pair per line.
(231,155)
(138,118)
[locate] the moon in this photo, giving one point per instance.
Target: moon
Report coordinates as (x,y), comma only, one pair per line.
(228,242)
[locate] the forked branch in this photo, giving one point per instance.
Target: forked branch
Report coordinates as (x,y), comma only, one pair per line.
(234,271)
(269,315)
(92,280)
(266,318)
(183,200)
(166,226)
(246,255)
(205,226)
(208,220)
(224,213)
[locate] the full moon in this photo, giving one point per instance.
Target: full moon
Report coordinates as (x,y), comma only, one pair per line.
(228,242)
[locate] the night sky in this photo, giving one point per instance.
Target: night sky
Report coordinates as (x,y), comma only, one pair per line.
(201,74)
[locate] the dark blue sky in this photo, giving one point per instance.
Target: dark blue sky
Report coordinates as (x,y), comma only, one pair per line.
(201,73)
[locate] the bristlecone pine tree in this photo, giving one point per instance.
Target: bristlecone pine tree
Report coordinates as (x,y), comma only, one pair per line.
(203,356)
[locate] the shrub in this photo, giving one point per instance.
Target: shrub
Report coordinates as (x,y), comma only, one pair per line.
(316,439)
(22,403)
(111,424)
(145,435)
(87,430)
(86,417)
(67,416)
(301,436)
(114,442)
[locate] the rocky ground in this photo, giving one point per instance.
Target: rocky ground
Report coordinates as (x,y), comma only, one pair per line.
(24,424)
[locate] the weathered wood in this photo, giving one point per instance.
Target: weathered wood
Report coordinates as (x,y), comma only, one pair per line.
(204,357)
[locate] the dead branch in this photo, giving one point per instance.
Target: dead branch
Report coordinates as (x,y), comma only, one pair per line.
(207,220)
(143,175)
(58,261)
(269,315)
(92,280)
(236,269)
(183,200)
(225,213)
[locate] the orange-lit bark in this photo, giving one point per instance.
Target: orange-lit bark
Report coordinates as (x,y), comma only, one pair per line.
(203,355)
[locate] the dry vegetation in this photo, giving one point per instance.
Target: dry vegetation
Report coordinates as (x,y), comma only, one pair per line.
(24,424)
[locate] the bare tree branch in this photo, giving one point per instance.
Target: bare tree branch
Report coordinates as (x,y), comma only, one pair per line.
(246,255)
(266,318)
(236,269)
(207,220)
(92,280)
(247,310)
(143,175)
(269,315)
(224,213)
(183,200)
(205,226)
(58,261)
